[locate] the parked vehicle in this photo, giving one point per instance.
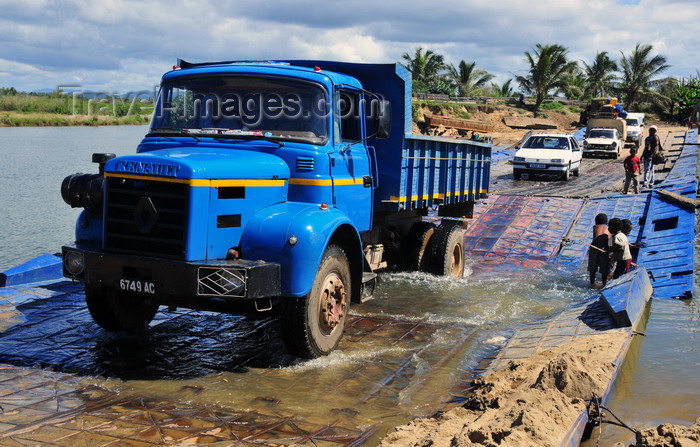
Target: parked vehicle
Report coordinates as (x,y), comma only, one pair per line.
(635,128)
(555,154)
(264,185)
(605,137)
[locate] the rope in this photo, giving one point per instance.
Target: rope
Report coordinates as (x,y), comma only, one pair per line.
(595,416)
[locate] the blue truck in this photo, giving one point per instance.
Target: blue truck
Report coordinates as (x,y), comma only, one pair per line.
(271,185)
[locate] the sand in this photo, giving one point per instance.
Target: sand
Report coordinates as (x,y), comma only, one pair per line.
(534,401)
(669,435)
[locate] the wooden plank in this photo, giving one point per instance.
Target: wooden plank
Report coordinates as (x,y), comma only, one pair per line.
(458,123)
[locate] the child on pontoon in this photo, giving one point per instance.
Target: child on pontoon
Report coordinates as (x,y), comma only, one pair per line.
(621,255)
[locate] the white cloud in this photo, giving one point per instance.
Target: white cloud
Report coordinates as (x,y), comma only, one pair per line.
(125,44)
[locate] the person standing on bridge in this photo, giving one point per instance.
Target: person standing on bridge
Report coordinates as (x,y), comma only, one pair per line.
(652,144)
(632,167)
(598,253)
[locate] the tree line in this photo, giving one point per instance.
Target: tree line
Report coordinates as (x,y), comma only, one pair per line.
(636,79)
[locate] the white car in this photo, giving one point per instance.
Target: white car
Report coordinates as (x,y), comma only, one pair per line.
(554,154)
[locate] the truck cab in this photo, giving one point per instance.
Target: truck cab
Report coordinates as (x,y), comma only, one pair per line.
(263,185)
(635,128)
(604,137)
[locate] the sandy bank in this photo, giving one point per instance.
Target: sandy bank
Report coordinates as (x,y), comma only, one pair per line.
(530,402)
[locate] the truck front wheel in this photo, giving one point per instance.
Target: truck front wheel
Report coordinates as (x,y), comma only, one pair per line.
(313,325)
(118,311)
(447,251)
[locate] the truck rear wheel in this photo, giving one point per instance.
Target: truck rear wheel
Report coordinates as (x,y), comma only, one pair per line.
(417,240)
(313,325)
(118,311)
(447,251)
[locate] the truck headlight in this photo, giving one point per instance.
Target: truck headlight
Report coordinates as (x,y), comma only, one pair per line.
(74,262)
(232,281)
(519,159)
(557,160)
(585,144)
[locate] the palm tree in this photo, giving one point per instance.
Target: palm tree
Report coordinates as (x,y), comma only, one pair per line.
(504,90)
(600,75)
(424,67)
(638,73)
(574,83)
(548,70)
(468,78)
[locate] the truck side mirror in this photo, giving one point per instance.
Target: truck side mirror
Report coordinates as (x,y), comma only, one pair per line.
(381,119)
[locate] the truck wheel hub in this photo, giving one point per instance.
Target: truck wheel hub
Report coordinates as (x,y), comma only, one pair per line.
(332,302)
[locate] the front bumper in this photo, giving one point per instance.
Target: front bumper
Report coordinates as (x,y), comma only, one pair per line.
(599,151)
(541,168)
(231,280)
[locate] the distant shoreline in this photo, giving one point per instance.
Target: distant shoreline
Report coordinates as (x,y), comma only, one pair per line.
(18,119)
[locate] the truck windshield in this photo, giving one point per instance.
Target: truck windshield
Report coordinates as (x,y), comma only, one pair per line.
(601,133)
(242,107)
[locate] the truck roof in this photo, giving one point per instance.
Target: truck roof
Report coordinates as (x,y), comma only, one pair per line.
(310,72)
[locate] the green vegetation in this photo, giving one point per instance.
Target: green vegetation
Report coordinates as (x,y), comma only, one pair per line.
(555,105)
(634,79)
(459,110)
(67,109)
(684,97)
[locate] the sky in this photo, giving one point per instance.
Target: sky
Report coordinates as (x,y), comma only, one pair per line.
(121,46)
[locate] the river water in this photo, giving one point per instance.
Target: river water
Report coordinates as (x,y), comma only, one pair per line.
(658,383)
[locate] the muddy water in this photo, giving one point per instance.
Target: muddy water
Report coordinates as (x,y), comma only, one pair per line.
(404,355)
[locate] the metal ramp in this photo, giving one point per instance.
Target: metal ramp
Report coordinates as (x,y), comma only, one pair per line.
(669,231)
(64,382)
(510,233)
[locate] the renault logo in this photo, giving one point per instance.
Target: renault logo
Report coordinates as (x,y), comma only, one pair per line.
(145,215)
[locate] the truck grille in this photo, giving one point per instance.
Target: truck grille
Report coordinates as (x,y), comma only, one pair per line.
(146,217)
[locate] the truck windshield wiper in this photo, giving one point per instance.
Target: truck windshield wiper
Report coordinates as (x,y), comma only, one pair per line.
(172,130)
(217,133)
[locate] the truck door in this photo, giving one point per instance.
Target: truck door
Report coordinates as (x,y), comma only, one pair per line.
(350,166)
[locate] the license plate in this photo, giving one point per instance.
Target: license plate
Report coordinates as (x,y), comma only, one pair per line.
(137,285)
(538,166)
